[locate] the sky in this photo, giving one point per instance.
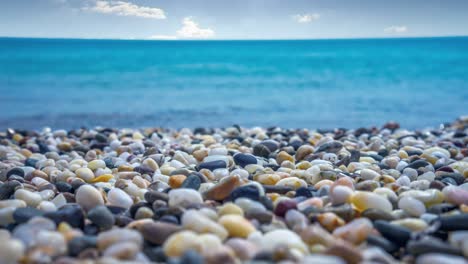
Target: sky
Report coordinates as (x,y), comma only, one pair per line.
(232,19)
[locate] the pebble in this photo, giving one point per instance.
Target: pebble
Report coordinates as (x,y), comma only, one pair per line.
(158,232)
(118,197)
(30,198)
(394,233)
(412,206)
(243,159)
(102,217)
(85,174)
(88,197)
(236,225)
(276,238)
(368,200)
(184,197)
(180,242)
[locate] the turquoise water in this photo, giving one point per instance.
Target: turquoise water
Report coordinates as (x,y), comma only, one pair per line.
(304,83)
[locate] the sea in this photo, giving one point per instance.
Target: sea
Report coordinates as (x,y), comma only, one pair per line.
(341,83)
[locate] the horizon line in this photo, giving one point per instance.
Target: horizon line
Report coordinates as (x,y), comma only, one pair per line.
(235,39)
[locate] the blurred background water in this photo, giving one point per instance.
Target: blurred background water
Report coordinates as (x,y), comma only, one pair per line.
(64,83)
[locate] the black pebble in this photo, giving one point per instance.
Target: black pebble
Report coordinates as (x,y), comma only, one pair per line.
(246,191)
(454,222)
(22,215)
(212,165)
(64,187)
(191,182)
(102,217)
(243,159)
(7,189)
(69,213)
(15,171)
(396,234)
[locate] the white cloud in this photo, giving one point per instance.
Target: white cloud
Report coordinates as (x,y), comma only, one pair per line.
(190,29)
(163,37)
(396,29)
(122,8)
(306,18)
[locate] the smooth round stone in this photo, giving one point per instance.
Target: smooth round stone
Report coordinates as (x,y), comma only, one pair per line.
(411,206)
(247,191)
(394,233)
(340,194)
(236,225)
(198,222)
(88,197)
(30,198)
(11,251)
(158,232)
(355,231)
(367,200)
(292,182)
(284,206)
(12,203)
(144,212)
(85,174)
(382,243)
(64,187)
(191,182)
(212,165)
(96,164)
(179,243)
(431,245)
(243,159)
(248,205)
(440,258)
(455,195)
(284,237)
(15,171)
(184,197)
(22,215)
(118,197)
(223,189)
(72,214)
(413,224)
(260,150)
(368,174)
(6,215)
(7,189)
(102,217)
(454,222)
(230,208)
(295,220)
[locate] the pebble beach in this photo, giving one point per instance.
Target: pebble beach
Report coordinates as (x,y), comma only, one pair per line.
(235,195)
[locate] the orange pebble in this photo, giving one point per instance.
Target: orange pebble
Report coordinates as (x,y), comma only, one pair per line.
(175,181)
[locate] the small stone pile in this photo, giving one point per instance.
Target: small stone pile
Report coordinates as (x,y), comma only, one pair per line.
(235,195)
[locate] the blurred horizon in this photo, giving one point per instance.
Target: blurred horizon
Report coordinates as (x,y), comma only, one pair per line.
(241,19)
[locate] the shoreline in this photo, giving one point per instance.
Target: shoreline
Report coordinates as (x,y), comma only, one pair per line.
(235,195)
